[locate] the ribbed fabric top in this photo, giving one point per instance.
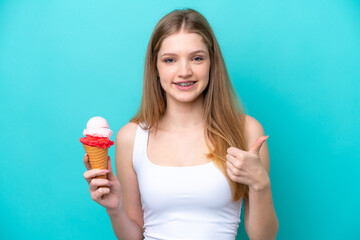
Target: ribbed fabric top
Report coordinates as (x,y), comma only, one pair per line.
(184,202)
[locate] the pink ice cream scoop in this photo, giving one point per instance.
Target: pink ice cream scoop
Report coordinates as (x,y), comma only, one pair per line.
(97,127)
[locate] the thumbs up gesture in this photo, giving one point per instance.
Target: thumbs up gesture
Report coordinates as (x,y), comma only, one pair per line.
(245,166)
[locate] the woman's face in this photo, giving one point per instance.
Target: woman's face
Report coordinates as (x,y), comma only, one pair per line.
(183,65)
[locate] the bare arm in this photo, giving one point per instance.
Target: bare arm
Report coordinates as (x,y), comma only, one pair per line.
(260,217)
(127,220)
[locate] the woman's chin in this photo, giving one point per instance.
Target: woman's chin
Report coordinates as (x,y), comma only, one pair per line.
(186,99)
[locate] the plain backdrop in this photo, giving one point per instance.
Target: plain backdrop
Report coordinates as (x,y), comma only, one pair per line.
(295,66)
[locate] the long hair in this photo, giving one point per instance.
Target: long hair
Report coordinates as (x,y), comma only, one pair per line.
(224,114)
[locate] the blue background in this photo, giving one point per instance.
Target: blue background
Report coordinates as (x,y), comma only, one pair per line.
(295,66)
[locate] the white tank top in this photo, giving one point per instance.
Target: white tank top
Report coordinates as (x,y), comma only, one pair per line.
(184,202)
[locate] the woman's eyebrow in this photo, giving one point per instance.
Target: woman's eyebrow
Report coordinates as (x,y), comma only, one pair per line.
(174,54)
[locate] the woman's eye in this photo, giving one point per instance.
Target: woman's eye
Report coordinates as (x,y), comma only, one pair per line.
(198,59)
(168,60)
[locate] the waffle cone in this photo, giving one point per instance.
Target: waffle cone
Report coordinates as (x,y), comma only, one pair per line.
(97,158)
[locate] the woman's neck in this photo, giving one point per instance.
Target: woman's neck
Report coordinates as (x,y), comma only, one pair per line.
(183,116)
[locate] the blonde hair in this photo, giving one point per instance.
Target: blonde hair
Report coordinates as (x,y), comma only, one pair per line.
(224,114)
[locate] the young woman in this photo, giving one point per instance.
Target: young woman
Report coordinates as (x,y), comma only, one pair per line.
(190,156)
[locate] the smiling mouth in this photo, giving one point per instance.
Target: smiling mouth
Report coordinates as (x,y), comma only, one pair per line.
(185,84)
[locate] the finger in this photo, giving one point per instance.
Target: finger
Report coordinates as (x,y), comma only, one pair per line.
(234,170)
(95,183)
(235,152)
(86,161)
(96,195)
(231,175)
(90,174)
(239,179)
(257,145)
(237,163)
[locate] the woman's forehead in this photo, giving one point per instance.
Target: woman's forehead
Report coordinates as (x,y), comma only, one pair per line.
(181,43)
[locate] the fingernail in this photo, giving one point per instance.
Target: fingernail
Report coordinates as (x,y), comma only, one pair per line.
(105,171)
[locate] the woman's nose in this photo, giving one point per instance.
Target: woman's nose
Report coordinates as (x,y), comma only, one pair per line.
(185,69)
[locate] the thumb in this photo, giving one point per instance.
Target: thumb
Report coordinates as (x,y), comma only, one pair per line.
(257,145)
(111,175)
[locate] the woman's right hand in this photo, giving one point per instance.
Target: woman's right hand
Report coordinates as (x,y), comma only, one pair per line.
(109,188)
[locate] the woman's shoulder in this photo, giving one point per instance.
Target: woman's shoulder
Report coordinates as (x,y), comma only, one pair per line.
(124,144)
(126,134)
(253,129)
(251,123)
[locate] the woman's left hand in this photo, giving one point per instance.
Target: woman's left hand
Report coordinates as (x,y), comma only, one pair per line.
(246,167)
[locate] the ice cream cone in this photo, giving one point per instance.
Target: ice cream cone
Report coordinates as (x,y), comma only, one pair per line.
(97,158)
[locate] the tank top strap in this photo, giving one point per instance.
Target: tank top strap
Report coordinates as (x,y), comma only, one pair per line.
(139,151)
